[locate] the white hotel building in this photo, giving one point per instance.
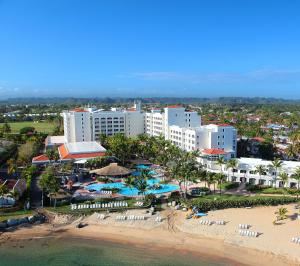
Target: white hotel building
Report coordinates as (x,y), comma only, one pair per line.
(183,128)
(87,124)
(245,172)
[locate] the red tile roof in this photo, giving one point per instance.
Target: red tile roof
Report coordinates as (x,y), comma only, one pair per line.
(131,109)
(64,154)
(213,151)
(223,125)
(79,110)
(40,158)
(174,106)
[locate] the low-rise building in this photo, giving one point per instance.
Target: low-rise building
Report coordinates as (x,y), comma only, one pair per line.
(246,171)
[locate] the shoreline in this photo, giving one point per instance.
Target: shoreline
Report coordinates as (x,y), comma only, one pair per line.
(160,237)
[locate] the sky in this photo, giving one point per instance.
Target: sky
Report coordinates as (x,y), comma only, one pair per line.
(138,48)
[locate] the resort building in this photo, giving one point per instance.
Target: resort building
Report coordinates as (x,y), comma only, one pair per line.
(182,127)
(74,151)
(246,171)
(158,122)
(88,124)
(77,125)
(210,140)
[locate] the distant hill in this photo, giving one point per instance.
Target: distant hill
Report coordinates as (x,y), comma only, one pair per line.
(162,100)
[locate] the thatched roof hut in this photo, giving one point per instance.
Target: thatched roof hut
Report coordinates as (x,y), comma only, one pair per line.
(113,169)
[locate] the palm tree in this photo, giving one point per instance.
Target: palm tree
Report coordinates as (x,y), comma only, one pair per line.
(11,167)
(284,177)
(276,165)
(219,177)
(221,162)
(14,194)
(260,169)
(231,164)
(129,182)
(296,176)
(211,180)
(3,190)
(281,214)
(140,182)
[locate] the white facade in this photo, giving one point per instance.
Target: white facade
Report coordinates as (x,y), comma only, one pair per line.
(246,171)
(158,123)
(183,128)
(77,125)
(222,137)
(88,124)
(107,123)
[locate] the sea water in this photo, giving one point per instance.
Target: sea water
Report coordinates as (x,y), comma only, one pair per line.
(75,251)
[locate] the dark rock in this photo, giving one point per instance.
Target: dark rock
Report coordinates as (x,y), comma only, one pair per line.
(23,220)
(12,222)
(3,225)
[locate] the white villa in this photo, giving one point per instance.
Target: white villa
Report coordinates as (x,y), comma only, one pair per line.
(246,171)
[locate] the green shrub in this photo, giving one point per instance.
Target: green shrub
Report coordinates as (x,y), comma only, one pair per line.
(271,190)
(208,203)
(229,185)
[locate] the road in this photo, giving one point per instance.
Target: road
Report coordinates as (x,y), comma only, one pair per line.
(35,193)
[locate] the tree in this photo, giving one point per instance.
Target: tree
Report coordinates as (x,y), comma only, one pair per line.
(3,190)
(284,177)
(261,170)
(11,167)
(140,182)
(276,165)
(27,130)
(220,178)
(231,164)
(221,162)
(26,152)
(6,128)
(296,176)
(281,214)
(52,155)
(48,181)
(211,180)
(119,145)
(129,182)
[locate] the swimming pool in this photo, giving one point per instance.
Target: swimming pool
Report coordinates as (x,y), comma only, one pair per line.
(138,173)
(142,166)
(127,191)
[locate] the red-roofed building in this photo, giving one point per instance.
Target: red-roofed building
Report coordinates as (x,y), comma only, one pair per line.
(80,150)
(41,159)
(174,106)
(213,151)
(79,110)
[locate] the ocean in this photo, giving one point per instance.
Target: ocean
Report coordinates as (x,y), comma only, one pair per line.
(88,252)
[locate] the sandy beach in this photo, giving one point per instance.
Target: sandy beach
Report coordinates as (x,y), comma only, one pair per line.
(272,247)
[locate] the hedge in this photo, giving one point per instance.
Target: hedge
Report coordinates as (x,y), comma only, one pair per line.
(205,204)
(272,190)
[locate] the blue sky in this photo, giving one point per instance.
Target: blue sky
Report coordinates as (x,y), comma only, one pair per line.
(149,48)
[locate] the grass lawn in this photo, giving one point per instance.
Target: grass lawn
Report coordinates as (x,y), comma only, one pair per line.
(45,127)
(14,215)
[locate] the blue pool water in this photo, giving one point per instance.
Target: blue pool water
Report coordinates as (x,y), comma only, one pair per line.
(126,191)
(142,166)
(138,173)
